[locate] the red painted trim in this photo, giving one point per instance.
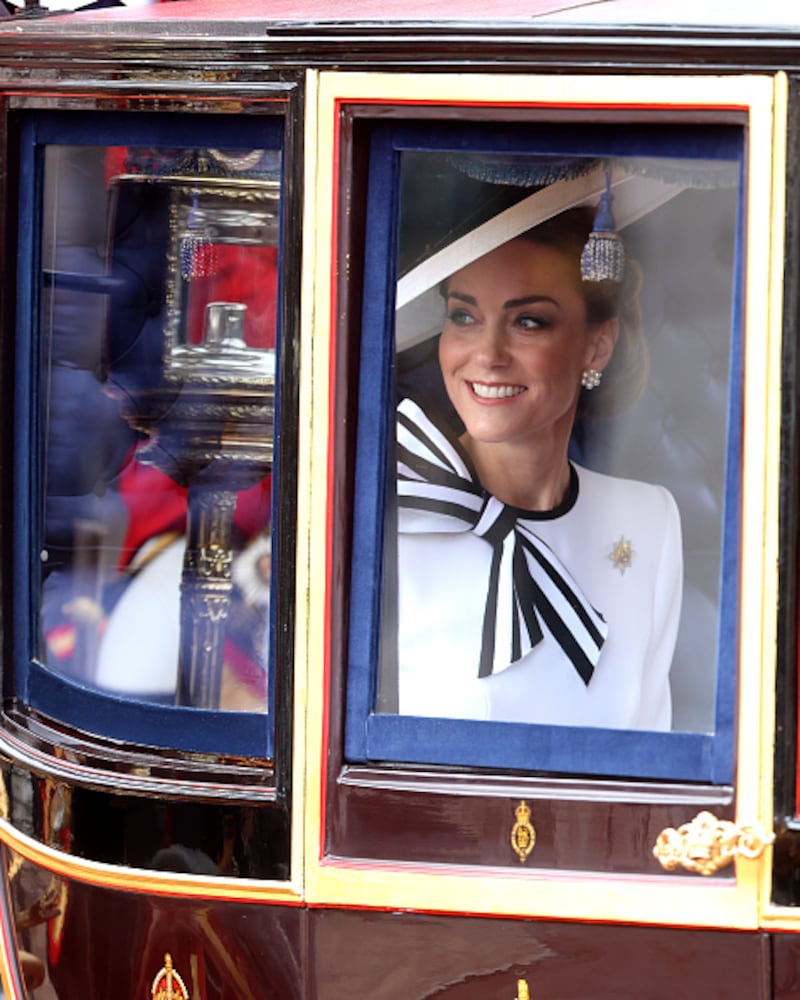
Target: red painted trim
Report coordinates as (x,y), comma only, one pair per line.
(560,105)
(329,514)
(578,921)
(340,104)
(104,95)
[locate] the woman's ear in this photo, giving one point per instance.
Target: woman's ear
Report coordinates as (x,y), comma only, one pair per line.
(603,340)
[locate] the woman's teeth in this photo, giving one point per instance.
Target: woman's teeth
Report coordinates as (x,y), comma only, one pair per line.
(495,391)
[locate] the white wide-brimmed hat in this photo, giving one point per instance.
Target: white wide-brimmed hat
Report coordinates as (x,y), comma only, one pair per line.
(639,186)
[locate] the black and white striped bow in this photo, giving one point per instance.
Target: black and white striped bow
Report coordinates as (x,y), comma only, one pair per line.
(438,492)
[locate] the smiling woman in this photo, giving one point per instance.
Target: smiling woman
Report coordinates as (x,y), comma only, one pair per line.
(531,589)
(513,350)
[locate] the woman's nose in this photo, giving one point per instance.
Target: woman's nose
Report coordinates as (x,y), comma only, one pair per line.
(492,347)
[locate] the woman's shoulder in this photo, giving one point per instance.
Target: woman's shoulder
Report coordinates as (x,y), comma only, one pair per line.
(616,493)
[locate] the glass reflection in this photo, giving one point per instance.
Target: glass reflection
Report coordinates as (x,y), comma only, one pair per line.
(38,904)
(159,323)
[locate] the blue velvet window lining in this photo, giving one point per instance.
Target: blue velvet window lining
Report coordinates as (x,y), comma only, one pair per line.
(381,736)
(133,720)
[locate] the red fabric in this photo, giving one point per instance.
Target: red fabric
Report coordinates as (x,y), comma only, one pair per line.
(245,669)
(157,504)
(115,162)
(246,274)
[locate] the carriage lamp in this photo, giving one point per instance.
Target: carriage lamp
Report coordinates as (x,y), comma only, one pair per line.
(198,380)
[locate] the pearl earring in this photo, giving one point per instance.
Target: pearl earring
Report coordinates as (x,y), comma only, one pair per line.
(591,378)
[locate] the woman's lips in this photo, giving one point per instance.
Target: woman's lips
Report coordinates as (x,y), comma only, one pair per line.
(484,390)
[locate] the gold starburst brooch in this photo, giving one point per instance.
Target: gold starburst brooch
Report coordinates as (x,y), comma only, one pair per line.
(621,554)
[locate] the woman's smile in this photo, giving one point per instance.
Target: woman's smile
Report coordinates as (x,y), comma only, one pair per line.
(492,391)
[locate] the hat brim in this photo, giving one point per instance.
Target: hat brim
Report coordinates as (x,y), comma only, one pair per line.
(419,307)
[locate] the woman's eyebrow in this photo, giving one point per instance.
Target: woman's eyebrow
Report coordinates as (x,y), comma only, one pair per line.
(462,297)
(528,300)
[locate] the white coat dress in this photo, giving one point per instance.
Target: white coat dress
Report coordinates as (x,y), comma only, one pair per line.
(616,542)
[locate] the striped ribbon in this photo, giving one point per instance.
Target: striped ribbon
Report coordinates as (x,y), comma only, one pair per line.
(437,492)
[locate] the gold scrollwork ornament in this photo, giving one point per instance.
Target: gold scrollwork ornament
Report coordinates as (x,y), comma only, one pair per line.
(523,835)
(707,844)
(523,993)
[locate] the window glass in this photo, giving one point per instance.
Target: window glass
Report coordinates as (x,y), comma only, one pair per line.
(153,384)
(559,556)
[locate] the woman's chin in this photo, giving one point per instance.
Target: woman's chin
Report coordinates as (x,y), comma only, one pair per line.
(488,432)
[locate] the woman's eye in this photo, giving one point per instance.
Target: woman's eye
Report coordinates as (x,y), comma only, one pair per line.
(530,322)
(461,317)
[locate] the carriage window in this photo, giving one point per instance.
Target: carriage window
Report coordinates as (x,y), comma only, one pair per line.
(151,385)
(558,450)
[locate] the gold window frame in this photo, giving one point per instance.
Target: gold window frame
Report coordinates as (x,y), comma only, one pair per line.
(684,898)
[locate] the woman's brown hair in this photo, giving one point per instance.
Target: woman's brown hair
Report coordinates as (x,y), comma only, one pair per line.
(625,376)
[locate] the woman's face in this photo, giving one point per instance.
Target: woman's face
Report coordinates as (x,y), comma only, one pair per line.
(516,342)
